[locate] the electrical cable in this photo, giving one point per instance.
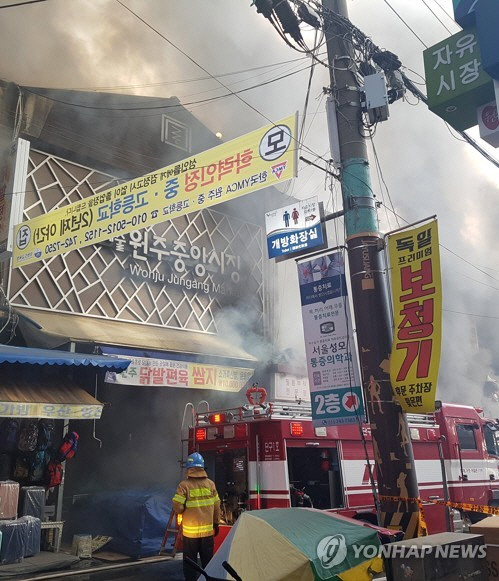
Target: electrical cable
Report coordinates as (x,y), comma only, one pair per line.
(405,23)
(186,81)
(22,3)
(441,22)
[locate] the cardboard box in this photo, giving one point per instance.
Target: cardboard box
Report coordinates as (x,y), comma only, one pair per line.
(489,528)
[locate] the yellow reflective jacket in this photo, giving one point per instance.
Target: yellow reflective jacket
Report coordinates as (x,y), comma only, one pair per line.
(196,499)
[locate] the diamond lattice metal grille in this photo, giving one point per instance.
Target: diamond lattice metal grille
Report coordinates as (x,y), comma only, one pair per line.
(178,274)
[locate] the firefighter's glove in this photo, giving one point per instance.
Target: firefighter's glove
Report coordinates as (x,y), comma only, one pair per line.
(215,530)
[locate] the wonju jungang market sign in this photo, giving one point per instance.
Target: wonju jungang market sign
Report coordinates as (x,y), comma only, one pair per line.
(417,316)
(254,161)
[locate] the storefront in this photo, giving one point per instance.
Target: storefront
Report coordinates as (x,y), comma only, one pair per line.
(42,393)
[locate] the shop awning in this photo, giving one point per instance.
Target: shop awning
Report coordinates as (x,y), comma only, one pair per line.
(56,398)
(81,328)
(12,354)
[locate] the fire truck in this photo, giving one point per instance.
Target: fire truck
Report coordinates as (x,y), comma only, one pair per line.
(270,455)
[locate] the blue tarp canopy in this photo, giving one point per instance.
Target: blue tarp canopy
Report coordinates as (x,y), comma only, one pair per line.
(135,519)
(12,354)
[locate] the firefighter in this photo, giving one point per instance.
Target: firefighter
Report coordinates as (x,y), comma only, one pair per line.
(196,499)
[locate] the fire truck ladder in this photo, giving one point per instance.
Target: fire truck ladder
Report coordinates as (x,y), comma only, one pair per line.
(187,424)
(174,527)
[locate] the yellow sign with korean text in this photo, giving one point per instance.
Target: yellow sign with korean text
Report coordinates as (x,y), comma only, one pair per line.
(68,411)
(254,161)
(417,316)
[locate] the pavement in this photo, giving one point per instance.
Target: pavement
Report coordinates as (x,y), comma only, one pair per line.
(61,565)
(101,567)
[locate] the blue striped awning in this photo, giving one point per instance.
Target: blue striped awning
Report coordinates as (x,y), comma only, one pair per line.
(12,354)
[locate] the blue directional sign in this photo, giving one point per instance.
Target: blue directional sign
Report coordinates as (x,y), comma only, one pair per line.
(464,12)
(294,228)
(487,27)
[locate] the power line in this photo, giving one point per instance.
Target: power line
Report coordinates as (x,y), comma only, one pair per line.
(470,314)
(434,14)
(192,60)
(164,106)
(22,3)
(188,81)
(405,23)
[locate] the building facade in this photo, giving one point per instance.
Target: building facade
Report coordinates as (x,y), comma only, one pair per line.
(189,300)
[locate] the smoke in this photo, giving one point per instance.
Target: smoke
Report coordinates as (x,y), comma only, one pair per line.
(419,166)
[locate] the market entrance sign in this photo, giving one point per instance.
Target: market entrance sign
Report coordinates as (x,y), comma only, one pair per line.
(254,161)
(456,83)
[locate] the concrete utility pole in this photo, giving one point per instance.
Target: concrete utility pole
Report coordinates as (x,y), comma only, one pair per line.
(394,460)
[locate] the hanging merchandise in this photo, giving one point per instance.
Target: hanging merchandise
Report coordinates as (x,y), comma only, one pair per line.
(9,433)
(68,447)
(53,474)
(46,428)
(28,435)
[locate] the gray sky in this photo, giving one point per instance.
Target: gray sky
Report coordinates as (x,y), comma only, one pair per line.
(424,168)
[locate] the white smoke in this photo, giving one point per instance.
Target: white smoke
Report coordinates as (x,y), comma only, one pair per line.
(424,168)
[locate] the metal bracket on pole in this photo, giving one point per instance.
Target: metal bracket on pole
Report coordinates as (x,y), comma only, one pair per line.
(361,202)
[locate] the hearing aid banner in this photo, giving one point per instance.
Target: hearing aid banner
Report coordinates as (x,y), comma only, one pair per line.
(249,163)
(417,316)
(332,364)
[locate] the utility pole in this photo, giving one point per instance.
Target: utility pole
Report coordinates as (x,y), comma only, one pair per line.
(393,454)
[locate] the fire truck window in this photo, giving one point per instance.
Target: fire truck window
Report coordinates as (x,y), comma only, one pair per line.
(466,437)
(491,440)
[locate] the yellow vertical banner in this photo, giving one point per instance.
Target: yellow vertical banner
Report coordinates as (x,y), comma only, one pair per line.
(417,316)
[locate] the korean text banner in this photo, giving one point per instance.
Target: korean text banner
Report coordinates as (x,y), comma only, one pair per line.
(333,371)
(145,371)
(294,228)
(256,160)
(417,316)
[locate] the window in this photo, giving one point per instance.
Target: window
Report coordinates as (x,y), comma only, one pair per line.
(466,436)
(490,433)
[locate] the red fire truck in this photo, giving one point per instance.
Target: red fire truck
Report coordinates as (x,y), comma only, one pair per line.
(270,455)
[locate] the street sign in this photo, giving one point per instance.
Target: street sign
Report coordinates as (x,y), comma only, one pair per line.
(488,123)
(464,12)
(294,228)
(456,83)
(487,26)
(337,406)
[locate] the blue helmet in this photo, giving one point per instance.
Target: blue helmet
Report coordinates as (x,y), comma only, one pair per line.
(194,460)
